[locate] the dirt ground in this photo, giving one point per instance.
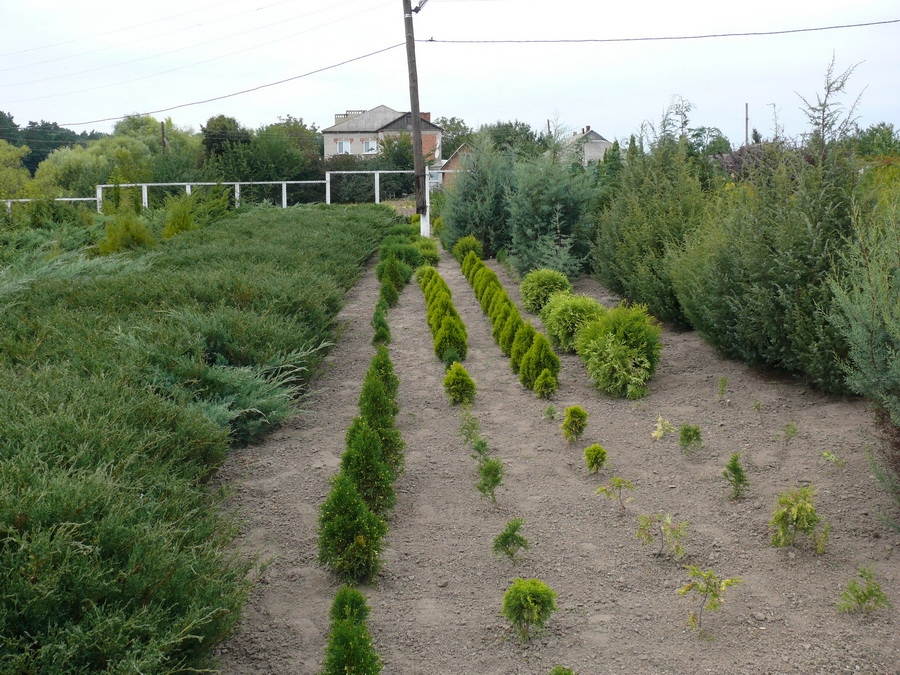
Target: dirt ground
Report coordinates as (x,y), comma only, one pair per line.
(436,605)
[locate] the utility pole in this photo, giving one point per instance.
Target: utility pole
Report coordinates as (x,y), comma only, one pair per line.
(418,159)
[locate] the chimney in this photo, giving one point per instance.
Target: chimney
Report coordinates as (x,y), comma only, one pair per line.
(588,127)
(425,116)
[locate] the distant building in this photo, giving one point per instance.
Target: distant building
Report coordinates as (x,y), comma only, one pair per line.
(453,164)
(588,145)
(359,132)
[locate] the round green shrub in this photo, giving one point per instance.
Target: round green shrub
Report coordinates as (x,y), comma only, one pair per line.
(631,324)
(618,369)
(394,270)
(389,293)
(538,285)
(467,244)
(539,356)
(574,423)
(510,328)
(349,605)
(350,650)
(546,384)
(521,344)
(594,457)
(429,250)
(451,335)
(362,462)
(350,533)
(459,385)
(407,252)
(564,314)
(527,604)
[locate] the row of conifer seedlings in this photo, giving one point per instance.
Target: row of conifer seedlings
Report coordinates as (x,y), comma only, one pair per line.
(352,521)
(530,354)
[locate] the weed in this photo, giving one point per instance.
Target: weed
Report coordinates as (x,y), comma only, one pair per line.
(723,386)
(574,423)
(789,431)
(528,603)
(858,598)
(470,427)
(689,438)
(614,489)
(734,474)
(561,670)
(594,457)
(491,472)
(757,406)
(510,542)
(797,515)
(710,589)
(551,413)
(666,530)
(832,458)
(662,428)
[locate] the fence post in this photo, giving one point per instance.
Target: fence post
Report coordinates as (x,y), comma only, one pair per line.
(9,207)
(327,187)
(187,188)
(284,195)
(237,195)
(144,200)
(99,199)
(377,187)
(425,220)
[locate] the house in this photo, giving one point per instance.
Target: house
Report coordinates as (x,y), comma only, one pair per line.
(589,145)
(453,164)
(359,132)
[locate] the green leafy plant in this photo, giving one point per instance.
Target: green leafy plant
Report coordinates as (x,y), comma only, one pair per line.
(538,285)
(350,533)
(664,528)
(551,413)
(539,357)
(757,406)
(832,458)
(617,368)
(797,515)
(527,604)
(564,314)
(459,385)
(574,423)
(490,471)
(561,670)
(349,605)
(594,457)
(662,428)
(614,490)
(789,432)
(867,597)
(710,588)
(689,437)
(510,542)
(126,232)
(470,427)
(734,474)
(464,245)
(545,386)
(481,449)
(723,386)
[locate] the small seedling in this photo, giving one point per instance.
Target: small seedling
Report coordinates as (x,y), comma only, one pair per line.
(551,413)
(594,457)
(832,458)
(470,427)
(789,431)
(723,386)
(528,603)
(797,515)
(510,542)
(710,589)
(859,598)
(561,670)
(734,474)
(757,406)
(664,527)
(663,427)
(491,472)
(614,489)
(574,423)
(480,446)
(689,438)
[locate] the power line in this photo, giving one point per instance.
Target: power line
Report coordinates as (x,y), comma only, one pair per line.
(237,93)
(668,37)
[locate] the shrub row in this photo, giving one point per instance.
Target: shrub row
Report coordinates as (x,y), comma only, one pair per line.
(447,328)
(351,520)
(530,354)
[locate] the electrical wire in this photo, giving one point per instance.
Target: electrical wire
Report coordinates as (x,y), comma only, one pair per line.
(669,37)
(238,93)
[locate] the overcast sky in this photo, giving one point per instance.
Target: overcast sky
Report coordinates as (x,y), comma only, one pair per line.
(85,61)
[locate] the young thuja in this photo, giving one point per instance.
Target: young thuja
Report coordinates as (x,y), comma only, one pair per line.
(510,542)
(859,597)
(710,588)
(734,474)
(796,514)
(664,528)
(614,490)
(662,428)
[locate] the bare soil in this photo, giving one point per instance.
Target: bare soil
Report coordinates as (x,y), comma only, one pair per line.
(436,604)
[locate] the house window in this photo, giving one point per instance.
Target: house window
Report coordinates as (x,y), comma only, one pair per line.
(370,147)
(343,147)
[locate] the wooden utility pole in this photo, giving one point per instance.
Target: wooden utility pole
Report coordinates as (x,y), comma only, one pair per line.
(418,159)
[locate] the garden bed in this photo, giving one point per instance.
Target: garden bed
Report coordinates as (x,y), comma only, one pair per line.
(436,604)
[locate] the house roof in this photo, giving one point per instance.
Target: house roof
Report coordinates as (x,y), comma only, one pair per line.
(377,119)
(587,136)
